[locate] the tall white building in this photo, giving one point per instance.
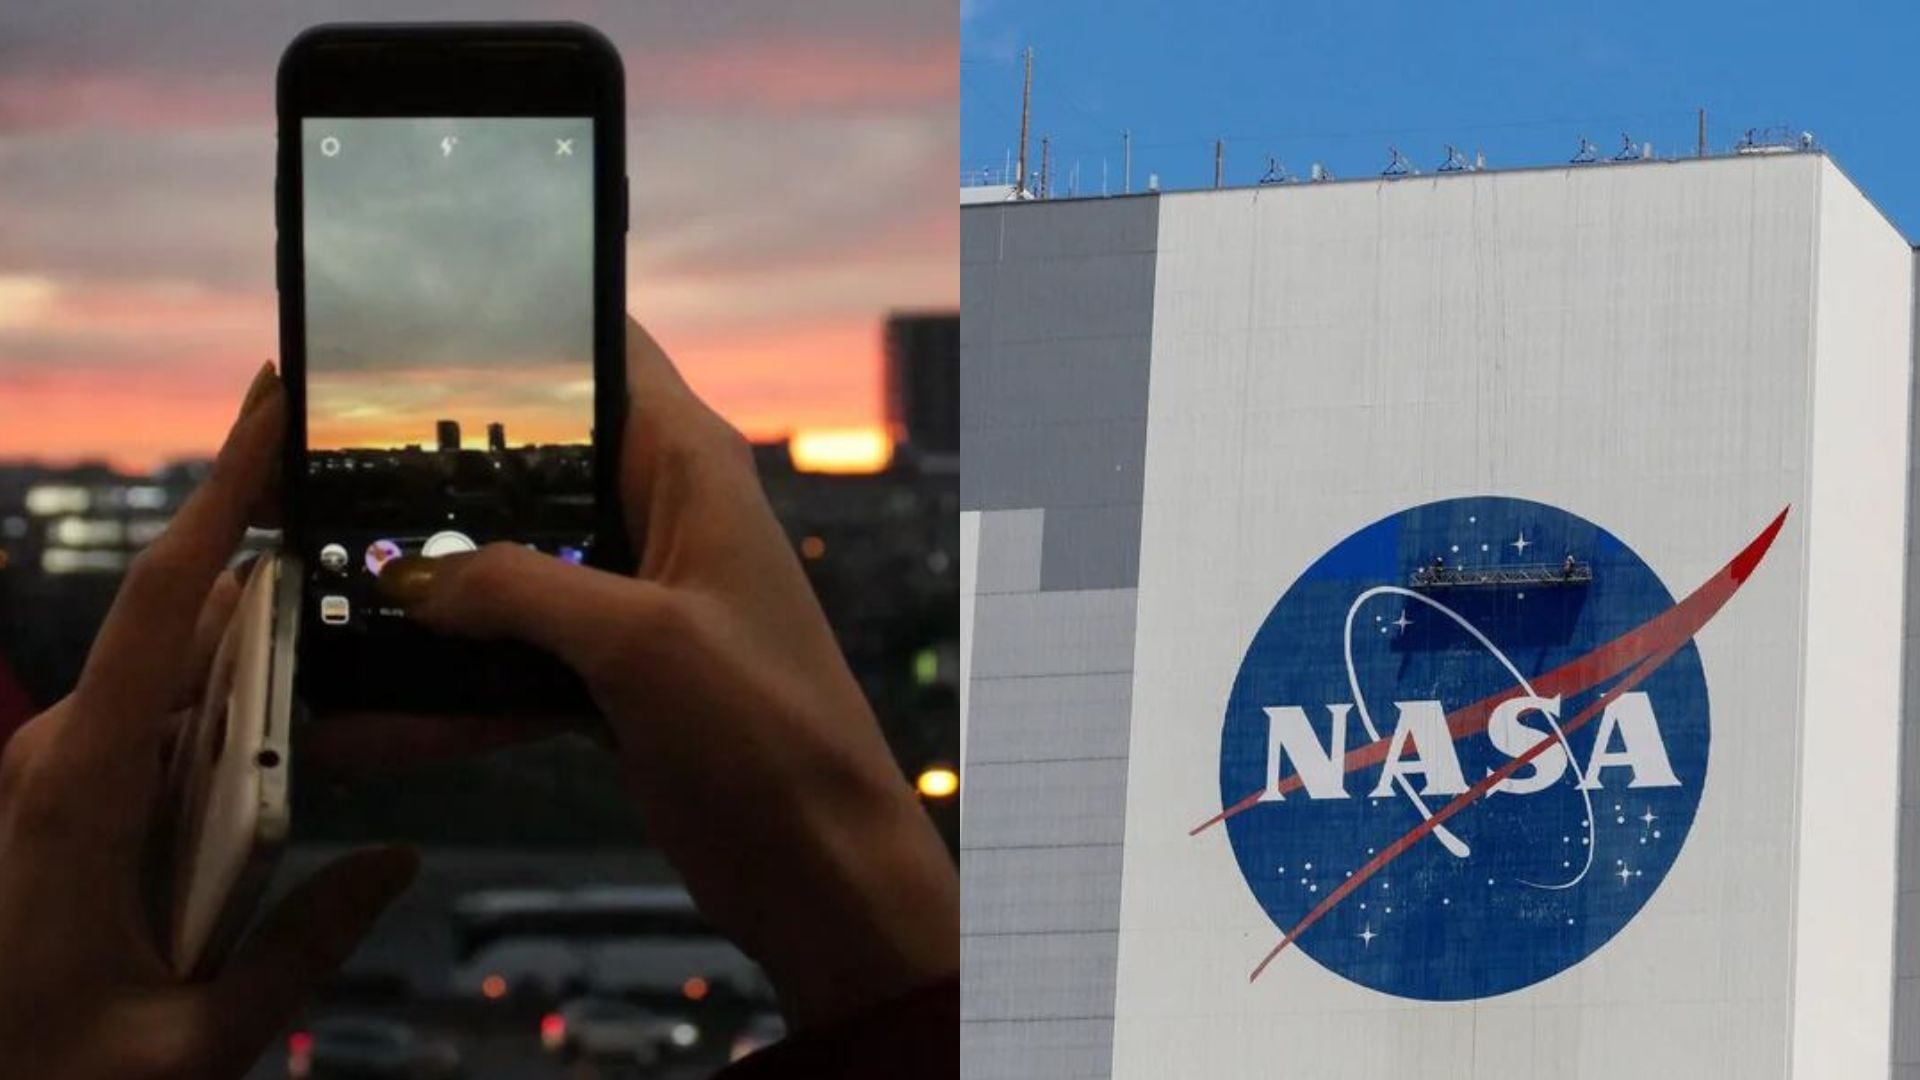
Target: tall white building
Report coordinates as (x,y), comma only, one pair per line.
(1445,626)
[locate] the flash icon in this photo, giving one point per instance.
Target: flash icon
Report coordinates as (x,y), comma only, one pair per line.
(447,144)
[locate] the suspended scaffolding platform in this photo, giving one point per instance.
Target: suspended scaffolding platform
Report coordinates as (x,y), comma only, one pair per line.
(1534,575)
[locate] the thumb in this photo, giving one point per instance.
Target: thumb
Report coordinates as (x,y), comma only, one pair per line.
(582,615)
(300,944)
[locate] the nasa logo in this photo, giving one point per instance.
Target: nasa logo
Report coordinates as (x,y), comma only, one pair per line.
(1467,745)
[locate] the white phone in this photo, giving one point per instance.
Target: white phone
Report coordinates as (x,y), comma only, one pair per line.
(228,774)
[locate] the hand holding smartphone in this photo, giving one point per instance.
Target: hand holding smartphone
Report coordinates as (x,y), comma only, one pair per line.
(452,214)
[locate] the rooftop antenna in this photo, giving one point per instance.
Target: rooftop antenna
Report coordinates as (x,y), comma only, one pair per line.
(1588,154)
(1398,166)
(1456,161)
(1026,112)
(1219,162)
(1628,151)
(1046,166)
(1276,173)
(1318,173)
(1479,160)
(1700,140)
(1126,157)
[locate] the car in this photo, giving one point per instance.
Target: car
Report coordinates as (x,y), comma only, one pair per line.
(608,1028)
(368,1046)
(552,969)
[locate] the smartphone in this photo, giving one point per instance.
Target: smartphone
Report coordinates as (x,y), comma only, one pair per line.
(451,202)
(227,780)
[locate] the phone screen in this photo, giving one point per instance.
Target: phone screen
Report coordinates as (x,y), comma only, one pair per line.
(449,294)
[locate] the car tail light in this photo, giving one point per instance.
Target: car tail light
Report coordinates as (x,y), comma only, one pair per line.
(553,1031)
(695,988)
(299,1054)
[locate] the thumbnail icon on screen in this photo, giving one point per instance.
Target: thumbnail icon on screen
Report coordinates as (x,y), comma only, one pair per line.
(334,610)
(379,553)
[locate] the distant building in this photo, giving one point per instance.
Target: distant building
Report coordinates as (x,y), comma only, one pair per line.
(923,380)
(449,434)
(496,436)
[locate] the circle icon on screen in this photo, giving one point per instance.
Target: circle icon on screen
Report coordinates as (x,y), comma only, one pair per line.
(333,557)
(379,554)
(448,542)
(329,146)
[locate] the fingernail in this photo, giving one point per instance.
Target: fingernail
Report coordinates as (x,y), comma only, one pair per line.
(407,579)
(262,386)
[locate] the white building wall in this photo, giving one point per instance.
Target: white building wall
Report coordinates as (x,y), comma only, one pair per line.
(1849,791)
(1639,346)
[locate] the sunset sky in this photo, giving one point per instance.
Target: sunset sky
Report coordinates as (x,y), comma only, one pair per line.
(793,171)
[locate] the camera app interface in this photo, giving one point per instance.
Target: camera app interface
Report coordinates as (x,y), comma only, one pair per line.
(449,320)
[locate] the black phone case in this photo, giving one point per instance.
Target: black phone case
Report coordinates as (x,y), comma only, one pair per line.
(455,69)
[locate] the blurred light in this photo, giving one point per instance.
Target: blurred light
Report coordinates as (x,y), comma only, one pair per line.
(840,450)
(938,782)
(695,988)
(69,561)
(747,1042)
(146,497)
(553,1031)
(812,547)
(684,1035)
(926,667)
(14,527)
(299,1055)
(493,987)
(87,532)
(144,531)
(46,500)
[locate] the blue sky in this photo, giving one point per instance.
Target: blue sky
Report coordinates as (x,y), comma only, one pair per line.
(1339,82)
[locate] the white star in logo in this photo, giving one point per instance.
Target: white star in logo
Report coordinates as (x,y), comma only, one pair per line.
(1624,875)
(1649,817)
(1521,545)
(1403,622)
(1367,935)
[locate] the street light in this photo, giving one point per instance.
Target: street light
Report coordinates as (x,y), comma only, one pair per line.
(938,782)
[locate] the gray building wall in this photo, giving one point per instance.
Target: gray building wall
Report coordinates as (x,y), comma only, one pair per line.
(1056,327)
(1906,953)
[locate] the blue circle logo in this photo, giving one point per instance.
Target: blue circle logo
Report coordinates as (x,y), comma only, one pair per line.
(1467,745)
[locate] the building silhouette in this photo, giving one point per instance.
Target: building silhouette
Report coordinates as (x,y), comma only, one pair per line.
(449,434)
(923,380)
(497,437)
